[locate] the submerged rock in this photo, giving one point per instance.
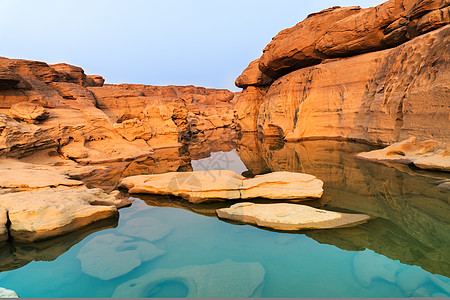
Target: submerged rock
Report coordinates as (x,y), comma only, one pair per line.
(428,154)
(201,186)
(49,212)
(227,278)
(146,228)
(368,266)
(288,216)
(110,256)
(4,293)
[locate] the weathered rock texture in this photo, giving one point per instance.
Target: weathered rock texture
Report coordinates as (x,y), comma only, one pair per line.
(89,122)
(38,203)
(425,155)
(234,279)
(287,216)
(378,75)
(201,186)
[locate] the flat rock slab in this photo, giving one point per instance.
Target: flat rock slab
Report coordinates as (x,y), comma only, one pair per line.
(201,186)
(289,216)
(4,293)
(110,256)
(34,178)
(233,279)
(432,155)
(46,213)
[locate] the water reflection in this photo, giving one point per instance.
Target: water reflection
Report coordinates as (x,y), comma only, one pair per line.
(415,214)
(16,255)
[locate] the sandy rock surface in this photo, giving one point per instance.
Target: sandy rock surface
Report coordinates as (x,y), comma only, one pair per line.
(288,216)
(201,186)
(431,155)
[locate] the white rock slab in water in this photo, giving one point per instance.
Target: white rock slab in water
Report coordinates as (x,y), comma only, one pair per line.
(4,293)
(224,279)
(289,216)
(146,228)
(201,186)
(3,229)
(109,256)
(429,154)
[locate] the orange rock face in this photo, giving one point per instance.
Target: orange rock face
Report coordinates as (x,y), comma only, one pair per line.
(90,123)
(343,32)
(378,75)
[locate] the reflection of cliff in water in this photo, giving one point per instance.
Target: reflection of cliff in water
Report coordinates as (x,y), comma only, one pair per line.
(107,176)
(415,214)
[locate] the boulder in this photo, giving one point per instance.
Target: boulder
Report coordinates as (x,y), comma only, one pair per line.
(289,216)
(430,154)
(295,47)
(3,229)
(49,212)
(4,293)
(233,279)
(28,112)
(110,256)
(201,186)
(343,32)
(252,76)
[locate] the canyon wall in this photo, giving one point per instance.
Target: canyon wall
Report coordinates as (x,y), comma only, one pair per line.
(58,106)
(378,75)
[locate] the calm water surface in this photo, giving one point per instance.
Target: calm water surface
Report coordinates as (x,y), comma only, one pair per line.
(167,247)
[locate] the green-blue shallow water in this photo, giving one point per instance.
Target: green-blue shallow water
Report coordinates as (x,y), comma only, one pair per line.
(166,247)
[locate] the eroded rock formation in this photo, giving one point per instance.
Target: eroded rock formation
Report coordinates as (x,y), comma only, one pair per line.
(219,185)
(378,75)
(89,122)
(287,216)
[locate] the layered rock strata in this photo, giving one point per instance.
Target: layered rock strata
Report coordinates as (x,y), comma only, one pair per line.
(378,75)
(201,186)
(60,107)
(288,216)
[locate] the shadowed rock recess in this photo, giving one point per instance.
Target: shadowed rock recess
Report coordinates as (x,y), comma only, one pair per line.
(379,75)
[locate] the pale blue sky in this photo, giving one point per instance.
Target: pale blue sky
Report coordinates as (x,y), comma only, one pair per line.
(200,42)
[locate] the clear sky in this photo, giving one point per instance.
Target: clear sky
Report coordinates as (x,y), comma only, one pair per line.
(200,42)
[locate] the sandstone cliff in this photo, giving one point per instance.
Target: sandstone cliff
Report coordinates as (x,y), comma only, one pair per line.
(58,106)
(378,75)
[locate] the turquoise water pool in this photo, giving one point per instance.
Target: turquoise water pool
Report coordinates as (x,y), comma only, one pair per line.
(166,247)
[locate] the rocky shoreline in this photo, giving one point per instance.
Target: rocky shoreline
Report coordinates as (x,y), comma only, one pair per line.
(377,75)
